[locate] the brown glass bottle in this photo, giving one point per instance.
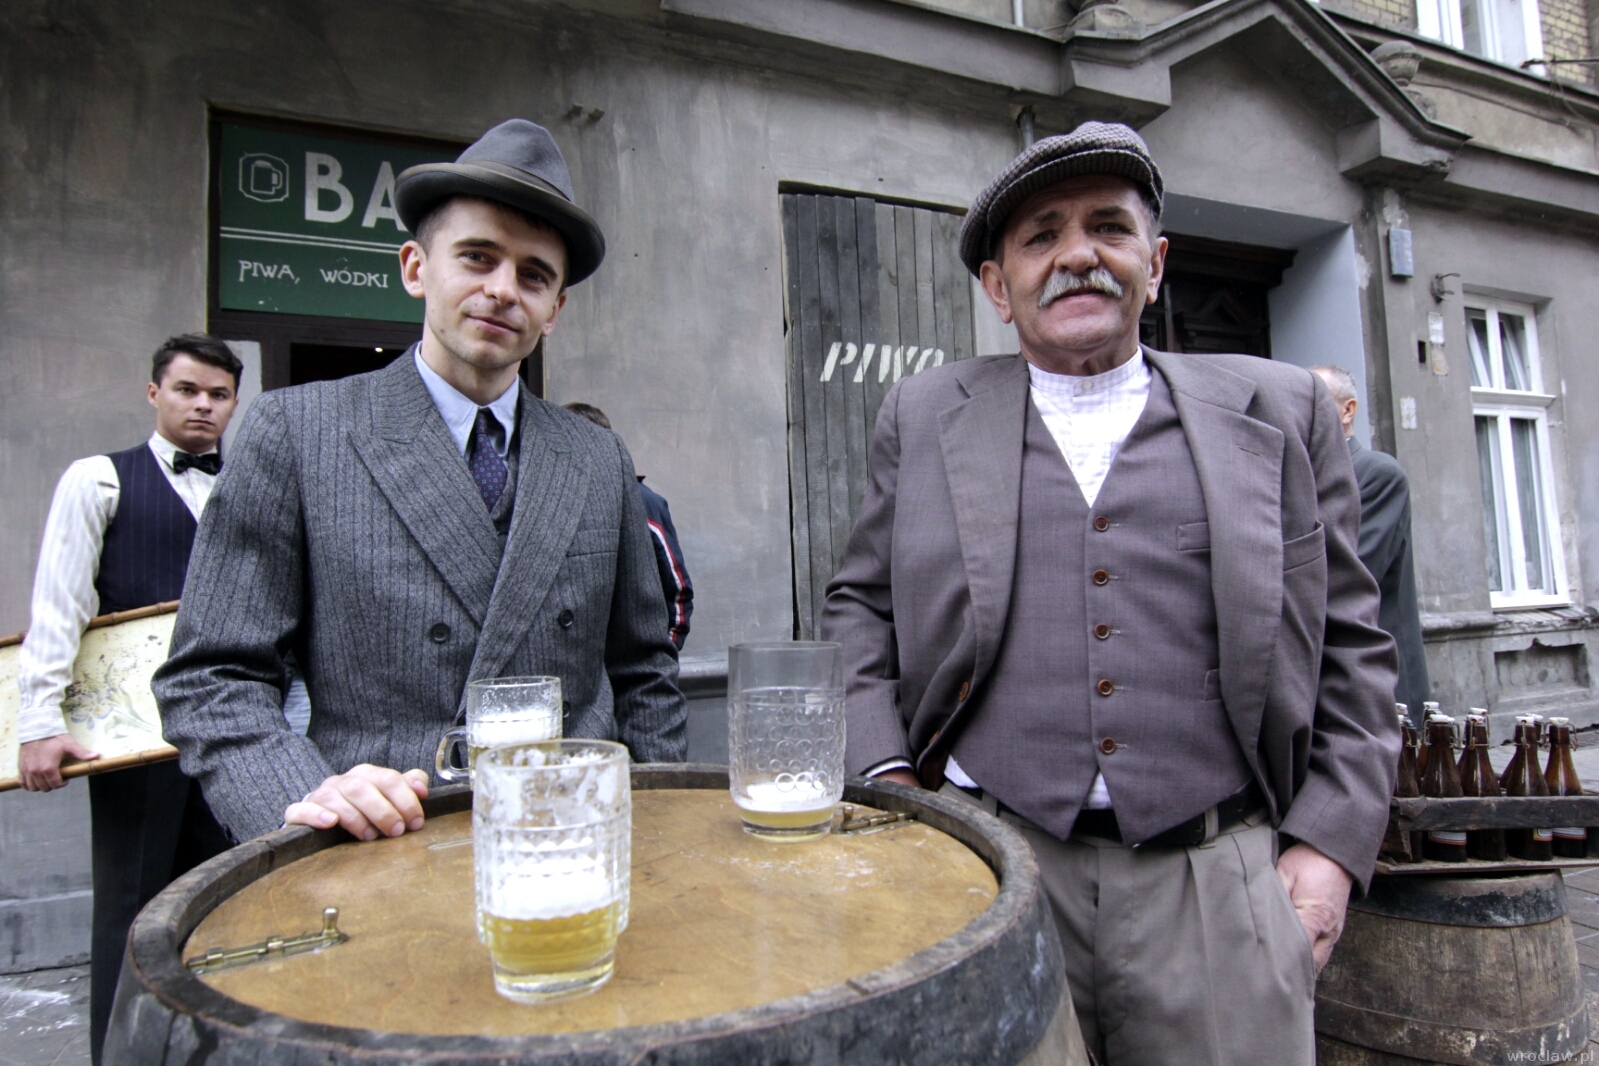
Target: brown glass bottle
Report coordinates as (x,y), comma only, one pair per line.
(1441,780)
(1477,778)
(1521,778)
(1561,777)
(1399,846)
(1428,709)
(1410,738)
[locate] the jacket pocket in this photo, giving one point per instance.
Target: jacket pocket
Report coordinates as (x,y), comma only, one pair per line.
(1305,549)
(593,542)
(1193,537)
(1212,685)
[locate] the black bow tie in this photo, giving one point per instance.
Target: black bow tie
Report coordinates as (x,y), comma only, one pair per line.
(210,463)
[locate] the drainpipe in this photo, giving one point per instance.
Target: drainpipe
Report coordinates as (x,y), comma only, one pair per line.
(1018,13)
(1024,124)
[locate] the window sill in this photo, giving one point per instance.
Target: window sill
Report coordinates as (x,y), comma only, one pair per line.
(1510,397)
(1506,604)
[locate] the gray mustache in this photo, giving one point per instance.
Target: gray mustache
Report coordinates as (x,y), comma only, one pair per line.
(1064,283)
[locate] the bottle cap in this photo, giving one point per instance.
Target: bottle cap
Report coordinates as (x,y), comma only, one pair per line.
(1565,722)
(1436,716)
(1483,711)
(1430,705)
(1402,708)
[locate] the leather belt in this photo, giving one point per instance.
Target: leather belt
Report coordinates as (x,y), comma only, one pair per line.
(1229,812)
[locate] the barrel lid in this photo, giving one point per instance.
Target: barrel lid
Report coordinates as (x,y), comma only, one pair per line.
(1476,902)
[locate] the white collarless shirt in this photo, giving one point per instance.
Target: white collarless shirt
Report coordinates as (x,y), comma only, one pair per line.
(64,597)
(1089,418)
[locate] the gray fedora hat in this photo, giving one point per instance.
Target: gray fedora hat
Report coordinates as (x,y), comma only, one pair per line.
(515,163)
(1092,148)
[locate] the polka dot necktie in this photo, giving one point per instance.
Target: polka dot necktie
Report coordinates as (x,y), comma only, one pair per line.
(488,469)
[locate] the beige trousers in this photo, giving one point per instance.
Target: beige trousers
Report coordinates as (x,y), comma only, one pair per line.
(1190,956)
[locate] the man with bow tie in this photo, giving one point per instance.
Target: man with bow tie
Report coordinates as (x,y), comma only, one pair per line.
(118,538)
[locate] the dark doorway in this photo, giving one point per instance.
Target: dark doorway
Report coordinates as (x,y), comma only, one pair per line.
(328,362)
(1214,297)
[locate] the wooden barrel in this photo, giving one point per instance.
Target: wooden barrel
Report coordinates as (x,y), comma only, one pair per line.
(929,943)
(1470,971)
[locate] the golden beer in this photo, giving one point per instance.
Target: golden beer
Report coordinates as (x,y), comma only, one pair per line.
(579,949)
(792,814)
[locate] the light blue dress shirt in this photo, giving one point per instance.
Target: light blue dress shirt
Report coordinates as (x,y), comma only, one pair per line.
(460,412)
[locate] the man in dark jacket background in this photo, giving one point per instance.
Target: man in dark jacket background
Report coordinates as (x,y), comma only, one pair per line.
(1385,545)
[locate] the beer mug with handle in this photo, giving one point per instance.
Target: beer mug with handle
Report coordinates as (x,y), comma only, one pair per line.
(552,831)
(501,711)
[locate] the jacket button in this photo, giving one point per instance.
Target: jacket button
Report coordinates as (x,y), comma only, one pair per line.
(1101,523)
(1108,746)
(439,633)
(1105,686)
(1102,631)
(565,619)
(966,690)
(1101,576)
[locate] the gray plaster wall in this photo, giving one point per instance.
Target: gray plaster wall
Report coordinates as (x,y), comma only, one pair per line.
(103,212)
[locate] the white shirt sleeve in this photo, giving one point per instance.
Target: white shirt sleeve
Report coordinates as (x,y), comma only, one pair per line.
(64,597)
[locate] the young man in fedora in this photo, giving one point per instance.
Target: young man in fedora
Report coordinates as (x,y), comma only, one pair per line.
(1134,625)
(406,531)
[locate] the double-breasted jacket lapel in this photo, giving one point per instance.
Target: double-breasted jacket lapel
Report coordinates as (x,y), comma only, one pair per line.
(981,439)
(1239,459)
(550,490)
(410,454)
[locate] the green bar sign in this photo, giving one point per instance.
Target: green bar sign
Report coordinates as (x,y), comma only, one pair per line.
(308,226)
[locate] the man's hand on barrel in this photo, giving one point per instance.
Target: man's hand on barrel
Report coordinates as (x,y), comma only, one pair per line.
(367,801)
(899,777)
(39,761)
(1319,889)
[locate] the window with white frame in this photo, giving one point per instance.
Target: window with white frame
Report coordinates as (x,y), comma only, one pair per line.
(1508,31)
(1521,517)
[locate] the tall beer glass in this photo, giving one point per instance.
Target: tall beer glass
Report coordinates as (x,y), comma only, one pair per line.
(551,848)
(501,711)
(785,736)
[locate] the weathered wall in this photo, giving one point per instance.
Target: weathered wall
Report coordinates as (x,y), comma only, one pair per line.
(1566,36)
(679,338)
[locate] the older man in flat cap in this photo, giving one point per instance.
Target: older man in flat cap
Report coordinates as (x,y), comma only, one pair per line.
(405,531)
(1112,595)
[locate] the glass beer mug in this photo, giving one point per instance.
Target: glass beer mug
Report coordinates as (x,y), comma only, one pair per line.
(551,848)
(501,711)
(785,736)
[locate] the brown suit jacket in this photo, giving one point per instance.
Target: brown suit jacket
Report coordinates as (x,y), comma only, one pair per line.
(921,600)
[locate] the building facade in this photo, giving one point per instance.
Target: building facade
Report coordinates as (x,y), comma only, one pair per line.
(1407,188)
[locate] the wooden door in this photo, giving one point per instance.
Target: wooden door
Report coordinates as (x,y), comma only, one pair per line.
(876,292)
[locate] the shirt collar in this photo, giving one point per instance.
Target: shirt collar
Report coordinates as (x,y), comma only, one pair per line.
(460,411)
(1130,376)
(165,450)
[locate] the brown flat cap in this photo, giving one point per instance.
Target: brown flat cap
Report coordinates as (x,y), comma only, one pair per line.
(1092,148)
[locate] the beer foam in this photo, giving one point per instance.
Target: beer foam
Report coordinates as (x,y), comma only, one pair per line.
(503,732)
(550,889)
(781,798)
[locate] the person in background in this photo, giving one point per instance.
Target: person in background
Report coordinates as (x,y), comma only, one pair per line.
(118,538)
(675,583)
(1385,545)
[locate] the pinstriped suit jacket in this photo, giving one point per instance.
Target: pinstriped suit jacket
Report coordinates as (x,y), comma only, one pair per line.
(346,528)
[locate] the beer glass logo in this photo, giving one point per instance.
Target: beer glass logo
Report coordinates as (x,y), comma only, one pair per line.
(263,177)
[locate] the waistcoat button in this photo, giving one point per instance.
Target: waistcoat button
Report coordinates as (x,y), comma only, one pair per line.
(1105,686)
(565,619)
(1102,631)
(1108,746)
(439,633)
(1101,576)
(1101,523)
